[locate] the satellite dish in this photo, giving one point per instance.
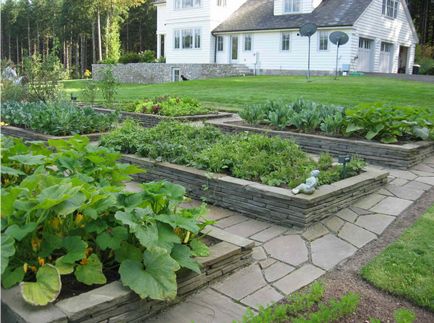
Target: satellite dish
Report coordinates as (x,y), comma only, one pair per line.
(339,38)
(308,29)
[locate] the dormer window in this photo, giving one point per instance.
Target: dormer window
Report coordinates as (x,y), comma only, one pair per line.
(291,6)
(390,8)
(186,4)
(221,3)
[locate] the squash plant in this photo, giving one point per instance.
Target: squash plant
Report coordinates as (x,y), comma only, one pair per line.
(64,212)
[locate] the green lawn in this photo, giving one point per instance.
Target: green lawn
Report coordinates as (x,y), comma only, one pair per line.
(406,267)
(233,93)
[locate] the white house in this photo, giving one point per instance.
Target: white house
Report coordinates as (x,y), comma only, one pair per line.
(264,34)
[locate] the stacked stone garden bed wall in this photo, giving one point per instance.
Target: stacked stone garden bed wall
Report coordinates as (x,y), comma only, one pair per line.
(115,303)
(396,156)
(260,201)
(33,136)
(151,120)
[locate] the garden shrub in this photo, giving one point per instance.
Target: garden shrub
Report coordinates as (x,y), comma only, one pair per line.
(66,217)
(273,161)
(147,56)
(108,85)
(167,106)
(56,118)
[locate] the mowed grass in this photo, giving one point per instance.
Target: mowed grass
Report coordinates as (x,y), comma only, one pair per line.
(236,92)
(406,267)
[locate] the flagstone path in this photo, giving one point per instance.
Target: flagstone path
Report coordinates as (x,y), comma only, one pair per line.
(287,259)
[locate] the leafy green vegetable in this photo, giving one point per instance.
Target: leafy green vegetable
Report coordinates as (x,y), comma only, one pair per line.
(46,288)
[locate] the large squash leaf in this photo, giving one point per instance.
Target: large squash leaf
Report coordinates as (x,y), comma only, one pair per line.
(112,238)
(76,248)
(156,280)
(8,250)
(90,273)
(19,233)
(46,288)
(12,277)
(182,254)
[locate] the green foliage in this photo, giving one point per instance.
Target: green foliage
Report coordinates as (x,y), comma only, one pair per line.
(147,56)
(253,114)
(43,76)
(405,267)
(389,124)
(167,106)
(13,92)
(65,213)
(305,307)
(108,85)
(403,315)
(273,161)
(56,118)
(90,92)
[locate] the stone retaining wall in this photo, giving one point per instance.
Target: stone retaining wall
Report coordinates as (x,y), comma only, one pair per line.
(115,303)
(151,73)
(33,136)
(151,120)
(272,204)
(402,156)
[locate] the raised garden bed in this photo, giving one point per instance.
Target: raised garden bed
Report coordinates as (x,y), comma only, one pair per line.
(402,156)
(32,135)
(115,303)
(273,204)
(151,120)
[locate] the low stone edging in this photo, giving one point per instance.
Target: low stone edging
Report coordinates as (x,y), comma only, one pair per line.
(396,156)
(115,303)
(151,120)
(33,136)
(268,203)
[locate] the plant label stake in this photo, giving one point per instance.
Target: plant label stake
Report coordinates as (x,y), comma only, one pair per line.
(307,30)
(338,38)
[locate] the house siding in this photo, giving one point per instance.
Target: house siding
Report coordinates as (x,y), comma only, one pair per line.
(372,24)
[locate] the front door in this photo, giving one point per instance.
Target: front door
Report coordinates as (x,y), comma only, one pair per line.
(366,47)
(234,49)
(403,59)
(162,53)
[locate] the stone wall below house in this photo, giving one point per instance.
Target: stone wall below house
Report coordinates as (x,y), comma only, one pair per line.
(151,73)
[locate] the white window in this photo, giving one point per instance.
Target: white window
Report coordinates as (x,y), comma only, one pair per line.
(286,41)
(248,43)
(187,38)
(175,74)
(290,6)
(365,43)
(221,3)
(220,43)
(323,39)
(390,8)
(177,39)
(185,4)
(197,38)
(386,47)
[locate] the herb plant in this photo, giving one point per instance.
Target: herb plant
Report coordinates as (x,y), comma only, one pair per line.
(65,215)
(56,118)
(167,106)
(273,161)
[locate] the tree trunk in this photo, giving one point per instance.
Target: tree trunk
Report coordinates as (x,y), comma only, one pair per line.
(140,36)
(93,44)
(9,46)
(107,32)
(128,37)
(28,37)
(38,46)
(77,62)
(18,50)
(82,45)
(99,36)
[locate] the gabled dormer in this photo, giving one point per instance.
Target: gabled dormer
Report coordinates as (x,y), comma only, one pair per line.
(288,7)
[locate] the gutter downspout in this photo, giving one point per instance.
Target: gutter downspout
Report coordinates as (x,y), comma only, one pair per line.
(215,49)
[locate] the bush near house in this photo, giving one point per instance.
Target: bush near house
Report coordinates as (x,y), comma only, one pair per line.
(372,121)
(272,161)
(167,106)
(56,118)
(147,56)
(66,217)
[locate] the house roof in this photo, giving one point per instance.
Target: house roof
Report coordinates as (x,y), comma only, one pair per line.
(259,15)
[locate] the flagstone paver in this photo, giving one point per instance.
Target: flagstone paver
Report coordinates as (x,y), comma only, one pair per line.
(376,223)
(277,271)
(298,278)
(391,206)
(290,249)
(328,251)
(356,235)
(315,231)
(242,283)
(286,259)
(264,296)
(369,201)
